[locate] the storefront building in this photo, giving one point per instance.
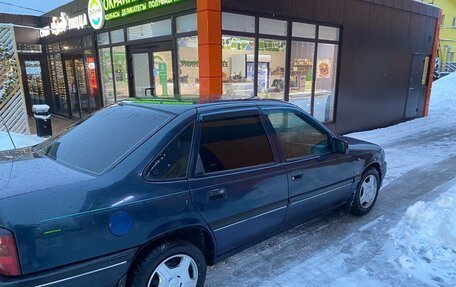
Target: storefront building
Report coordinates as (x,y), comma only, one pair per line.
(354,64)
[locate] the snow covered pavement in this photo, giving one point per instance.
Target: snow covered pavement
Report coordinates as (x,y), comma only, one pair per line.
(19,140)
(409,238)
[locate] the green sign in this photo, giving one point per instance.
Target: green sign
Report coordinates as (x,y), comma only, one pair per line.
(163,77)
(116,9)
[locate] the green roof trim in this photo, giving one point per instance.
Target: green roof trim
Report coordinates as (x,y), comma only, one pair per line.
(164,101)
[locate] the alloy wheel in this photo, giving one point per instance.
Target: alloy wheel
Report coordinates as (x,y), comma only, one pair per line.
(175,271)
(369,189)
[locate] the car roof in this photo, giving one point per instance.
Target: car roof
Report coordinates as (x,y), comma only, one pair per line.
(181,105)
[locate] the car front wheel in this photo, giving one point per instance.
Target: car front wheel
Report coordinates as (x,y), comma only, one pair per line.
(366,192)
(175,263)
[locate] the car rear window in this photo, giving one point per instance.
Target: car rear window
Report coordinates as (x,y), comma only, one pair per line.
(104,138)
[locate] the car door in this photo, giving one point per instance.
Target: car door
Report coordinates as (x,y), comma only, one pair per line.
(239,185)
(318,178)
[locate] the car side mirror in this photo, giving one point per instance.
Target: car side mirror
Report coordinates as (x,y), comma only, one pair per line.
(340,146)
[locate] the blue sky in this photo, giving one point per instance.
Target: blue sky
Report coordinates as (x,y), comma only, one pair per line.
(42,5)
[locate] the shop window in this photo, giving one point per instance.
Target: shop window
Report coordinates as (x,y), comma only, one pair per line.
(163,73)
(238,66)
(117,36)
(188,65)
(186,23)
(58,84)
(139,32)
(119,60)
(54,48)
(29,48)
(34,82)
(301,74)
(72,44)
(149,30)
(271,68)
(103,38)
(328,33)
(303,30)
(107,83)
(325,82)
(88,41)
(239,23)
(161,28)
(92,79)
(273,27)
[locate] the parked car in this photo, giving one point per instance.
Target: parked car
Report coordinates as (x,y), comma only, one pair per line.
(149,194)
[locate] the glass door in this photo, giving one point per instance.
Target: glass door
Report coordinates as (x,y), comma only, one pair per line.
(141,75)
(163,73)
(82,87)
(78,95)
(33,84)
(152,71)
(72,84)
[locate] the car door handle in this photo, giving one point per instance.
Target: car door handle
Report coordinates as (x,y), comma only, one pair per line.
(216,194)
(297,175)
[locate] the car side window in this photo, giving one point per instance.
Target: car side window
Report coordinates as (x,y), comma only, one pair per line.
(297,137)
(172,162)
(231,144)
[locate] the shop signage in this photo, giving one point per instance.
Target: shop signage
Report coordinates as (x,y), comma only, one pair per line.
(115,9)
(64,23)
(96,14)
(106,10)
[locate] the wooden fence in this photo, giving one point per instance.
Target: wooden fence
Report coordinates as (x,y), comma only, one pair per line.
(13,110)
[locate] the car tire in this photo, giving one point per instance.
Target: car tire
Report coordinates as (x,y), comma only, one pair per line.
(164,262)
(366,193)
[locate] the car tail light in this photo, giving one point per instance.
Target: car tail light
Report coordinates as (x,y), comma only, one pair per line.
(9,261)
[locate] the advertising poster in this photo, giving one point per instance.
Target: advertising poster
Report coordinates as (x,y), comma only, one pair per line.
(324,68)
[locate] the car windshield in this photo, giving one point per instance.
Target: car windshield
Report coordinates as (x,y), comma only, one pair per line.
(104,138)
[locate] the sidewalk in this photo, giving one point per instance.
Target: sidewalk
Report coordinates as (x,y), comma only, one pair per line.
(58,125)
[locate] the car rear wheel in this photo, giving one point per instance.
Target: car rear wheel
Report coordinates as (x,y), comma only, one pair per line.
(171,264)
(366,193)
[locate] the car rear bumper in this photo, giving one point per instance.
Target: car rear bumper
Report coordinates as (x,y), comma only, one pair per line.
(102,272)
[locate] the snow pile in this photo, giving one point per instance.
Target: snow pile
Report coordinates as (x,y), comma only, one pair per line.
(426,237)
(19,140)
(443,96)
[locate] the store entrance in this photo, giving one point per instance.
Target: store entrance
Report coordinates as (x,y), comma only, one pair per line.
(78,102)
(151,69)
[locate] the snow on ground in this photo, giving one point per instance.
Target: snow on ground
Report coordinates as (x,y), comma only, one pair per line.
(20,140)
(426,236)
(422,247)
(410,145)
